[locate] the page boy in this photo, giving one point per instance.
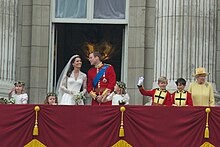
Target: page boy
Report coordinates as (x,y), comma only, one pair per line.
(160,96)
(181,97)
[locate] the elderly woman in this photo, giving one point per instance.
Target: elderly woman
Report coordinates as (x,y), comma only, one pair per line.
(202,91)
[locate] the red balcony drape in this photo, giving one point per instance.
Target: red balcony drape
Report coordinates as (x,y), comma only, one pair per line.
(98,126)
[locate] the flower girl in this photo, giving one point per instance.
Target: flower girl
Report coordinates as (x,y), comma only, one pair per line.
(119,95)
(51,99)
(17,93)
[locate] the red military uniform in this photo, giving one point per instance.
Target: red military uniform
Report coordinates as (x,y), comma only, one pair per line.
(105,84)
(182,98)
(159,96)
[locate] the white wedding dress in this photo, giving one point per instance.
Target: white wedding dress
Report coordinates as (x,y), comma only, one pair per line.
(70,87)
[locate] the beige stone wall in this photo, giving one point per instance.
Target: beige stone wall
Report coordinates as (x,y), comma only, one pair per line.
(24,42)
(32,51)
(149,44)
(141,47)
(136,48)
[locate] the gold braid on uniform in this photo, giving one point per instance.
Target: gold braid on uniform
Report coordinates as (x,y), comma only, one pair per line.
(93,94)
(105,92)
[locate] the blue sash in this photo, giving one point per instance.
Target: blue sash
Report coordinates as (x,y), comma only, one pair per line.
(99,75)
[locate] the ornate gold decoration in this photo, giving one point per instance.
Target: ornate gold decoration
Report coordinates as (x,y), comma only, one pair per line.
(207,144)
(34,143)
(206,135)
(35,131)
(121,143)
(105,48)
(159,96)
(121,132)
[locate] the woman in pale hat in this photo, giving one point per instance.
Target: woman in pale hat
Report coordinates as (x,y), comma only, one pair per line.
(202,91)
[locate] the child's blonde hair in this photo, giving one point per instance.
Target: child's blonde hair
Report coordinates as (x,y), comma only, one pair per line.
(162,80)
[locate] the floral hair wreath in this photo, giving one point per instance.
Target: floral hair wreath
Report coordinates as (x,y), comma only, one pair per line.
(121,84)
(19,83)
(51,94)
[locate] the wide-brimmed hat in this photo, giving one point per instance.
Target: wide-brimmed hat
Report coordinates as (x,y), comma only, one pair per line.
(200,71)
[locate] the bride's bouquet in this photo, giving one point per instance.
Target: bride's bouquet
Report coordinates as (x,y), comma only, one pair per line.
(79,98)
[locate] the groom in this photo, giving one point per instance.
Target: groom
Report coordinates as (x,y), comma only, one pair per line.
(101,80)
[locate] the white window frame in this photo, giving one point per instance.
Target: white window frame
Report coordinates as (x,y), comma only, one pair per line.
(88,20)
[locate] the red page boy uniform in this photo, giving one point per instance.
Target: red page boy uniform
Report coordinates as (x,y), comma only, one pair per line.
(182,98)
(101,81)
(159,96)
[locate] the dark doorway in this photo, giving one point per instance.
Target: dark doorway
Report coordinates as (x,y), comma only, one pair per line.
(71,38)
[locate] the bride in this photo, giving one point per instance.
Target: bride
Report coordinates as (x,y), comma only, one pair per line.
(70,82)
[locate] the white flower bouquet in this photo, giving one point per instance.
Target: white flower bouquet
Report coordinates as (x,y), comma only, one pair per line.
(79,98)
(6,101)
(122,102)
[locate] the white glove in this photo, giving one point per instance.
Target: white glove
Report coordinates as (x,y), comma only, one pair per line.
(73,92)
(140,81)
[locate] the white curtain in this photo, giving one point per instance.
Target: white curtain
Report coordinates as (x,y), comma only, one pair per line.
(109,9)
(71,8)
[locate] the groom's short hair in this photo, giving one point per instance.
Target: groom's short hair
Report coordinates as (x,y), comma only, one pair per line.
(97,54)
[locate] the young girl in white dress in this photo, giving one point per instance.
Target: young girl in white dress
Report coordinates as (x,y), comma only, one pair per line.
(119,95)
(51,99)
(17,93)
(71,81)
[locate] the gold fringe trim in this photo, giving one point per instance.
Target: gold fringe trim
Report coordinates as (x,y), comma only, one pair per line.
(122,132)
(206,134)
(35,131)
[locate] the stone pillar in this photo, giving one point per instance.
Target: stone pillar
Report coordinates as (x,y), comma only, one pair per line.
(8,32)
(39,50)
(185,39)
(136,49)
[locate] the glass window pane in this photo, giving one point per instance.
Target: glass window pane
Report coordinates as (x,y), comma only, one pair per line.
(109,9)
(71,8)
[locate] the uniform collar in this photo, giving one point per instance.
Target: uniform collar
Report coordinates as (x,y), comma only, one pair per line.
(99,65)
(183,91)
(164,90)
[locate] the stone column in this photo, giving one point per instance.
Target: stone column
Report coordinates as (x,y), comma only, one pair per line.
(8,32)
(39,50)
(185,39)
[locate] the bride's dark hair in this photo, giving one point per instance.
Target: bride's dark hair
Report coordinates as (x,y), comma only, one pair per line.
(71,66)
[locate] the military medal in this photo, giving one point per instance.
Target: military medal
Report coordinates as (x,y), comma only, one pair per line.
(104,80)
